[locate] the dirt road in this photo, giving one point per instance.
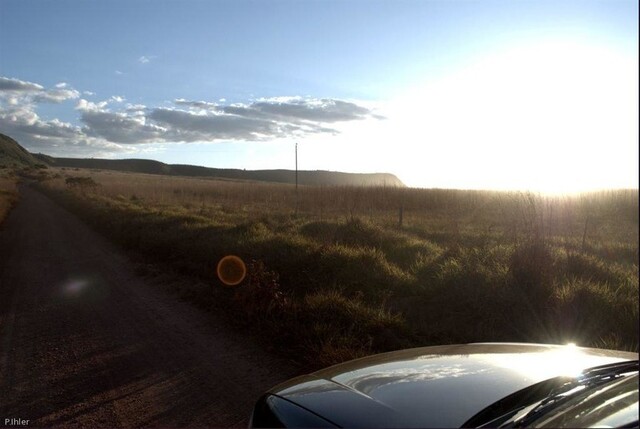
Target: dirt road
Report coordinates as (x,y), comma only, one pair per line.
(84,342)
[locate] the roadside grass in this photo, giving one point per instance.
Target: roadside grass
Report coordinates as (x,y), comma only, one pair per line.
(8,192)
(343,278)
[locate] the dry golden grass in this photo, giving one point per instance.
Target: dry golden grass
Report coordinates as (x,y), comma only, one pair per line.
(181,191)
(512,214)
(343,279)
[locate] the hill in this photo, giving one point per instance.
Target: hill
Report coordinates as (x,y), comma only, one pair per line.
(14,155)
(280,176)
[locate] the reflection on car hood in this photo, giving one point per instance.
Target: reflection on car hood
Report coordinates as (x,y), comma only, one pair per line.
(439,386)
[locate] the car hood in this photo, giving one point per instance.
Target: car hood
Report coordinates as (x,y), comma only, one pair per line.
(439,386)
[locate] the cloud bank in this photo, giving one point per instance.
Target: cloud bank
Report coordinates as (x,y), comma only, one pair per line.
(112,125)
(15,91)
(18,119)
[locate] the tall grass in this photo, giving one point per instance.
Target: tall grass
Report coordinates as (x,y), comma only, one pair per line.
(343,279)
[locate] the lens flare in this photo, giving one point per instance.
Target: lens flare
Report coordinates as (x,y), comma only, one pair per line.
(231,270)
(74,287)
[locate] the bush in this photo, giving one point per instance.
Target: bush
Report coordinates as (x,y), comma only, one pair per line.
(584,310)
(84,184)
(338,328)
(261,296)
(532,268)
(323,232)
(589,267)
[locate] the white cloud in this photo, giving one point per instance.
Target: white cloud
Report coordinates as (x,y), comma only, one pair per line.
(84,105)
(52,137)
(261,120)
(144,59)
(321,110)
(199,104)
(18,118)
(135,107)
(15,91)
(16,85)
(127,127)
(120,127)
(193,126)
(110,125)
(190,121)
(57,95)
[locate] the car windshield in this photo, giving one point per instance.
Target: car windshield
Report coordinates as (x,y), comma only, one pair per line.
(201,199)
(601,397)
(614,404)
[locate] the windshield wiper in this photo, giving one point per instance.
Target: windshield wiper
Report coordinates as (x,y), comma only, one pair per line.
(590,379)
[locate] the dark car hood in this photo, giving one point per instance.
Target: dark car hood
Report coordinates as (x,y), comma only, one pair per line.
(439,386)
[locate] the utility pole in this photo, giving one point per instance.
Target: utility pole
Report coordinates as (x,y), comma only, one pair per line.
(296,179)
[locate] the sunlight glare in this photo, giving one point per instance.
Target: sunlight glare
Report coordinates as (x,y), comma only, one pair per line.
(566,361)
(551,117)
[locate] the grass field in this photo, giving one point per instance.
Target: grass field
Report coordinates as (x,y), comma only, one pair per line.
(8,192)
(341,272)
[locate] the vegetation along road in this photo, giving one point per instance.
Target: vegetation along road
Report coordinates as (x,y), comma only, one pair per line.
(85,342)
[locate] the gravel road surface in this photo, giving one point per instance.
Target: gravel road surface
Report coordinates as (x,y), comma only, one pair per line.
(85,342)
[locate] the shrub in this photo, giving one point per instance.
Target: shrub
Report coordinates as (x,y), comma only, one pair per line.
(356,233)
(323,232)
(261,296)
(84,184)
(339,328)
(532,267)
(584,310)
(365,270)
(593,268)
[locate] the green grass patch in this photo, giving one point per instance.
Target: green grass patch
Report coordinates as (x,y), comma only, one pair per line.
(464,267)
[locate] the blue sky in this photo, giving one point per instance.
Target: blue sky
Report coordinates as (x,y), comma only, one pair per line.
(415,88)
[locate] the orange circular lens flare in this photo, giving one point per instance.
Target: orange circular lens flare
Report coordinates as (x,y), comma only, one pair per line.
(231,270)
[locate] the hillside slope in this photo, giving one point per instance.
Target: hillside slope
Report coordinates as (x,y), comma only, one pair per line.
(279,176)
(14,155)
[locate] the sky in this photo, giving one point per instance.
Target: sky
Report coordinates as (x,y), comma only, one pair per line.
(528,95)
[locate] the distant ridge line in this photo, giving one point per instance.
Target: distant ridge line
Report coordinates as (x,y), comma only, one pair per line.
(12,154)
(305,177)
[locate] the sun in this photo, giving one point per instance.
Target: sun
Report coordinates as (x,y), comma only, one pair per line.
(553,116)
